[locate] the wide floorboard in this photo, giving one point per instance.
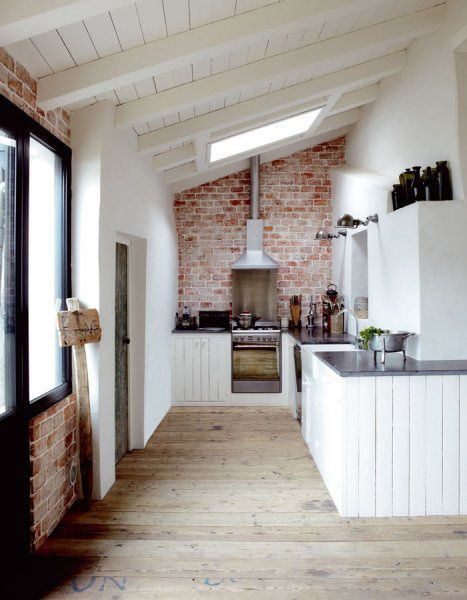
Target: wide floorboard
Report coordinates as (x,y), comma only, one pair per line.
(227,502)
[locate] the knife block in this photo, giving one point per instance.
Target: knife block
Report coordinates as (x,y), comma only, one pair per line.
(295,311)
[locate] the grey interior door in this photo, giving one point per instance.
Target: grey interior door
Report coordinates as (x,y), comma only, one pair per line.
(121,352)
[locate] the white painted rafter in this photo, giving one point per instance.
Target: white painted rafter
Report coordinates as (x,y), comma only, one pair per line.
(174,158)
(314,90)
(175,51)
(216,86)
(21,19)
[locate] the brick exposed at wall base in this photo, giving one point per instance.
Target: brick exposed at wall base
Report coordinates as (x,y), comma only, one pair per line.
(19,87)
(52,439)
(295,203)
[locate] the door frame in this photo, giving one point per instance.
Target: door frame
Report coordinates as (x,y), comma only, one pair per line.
(136,314)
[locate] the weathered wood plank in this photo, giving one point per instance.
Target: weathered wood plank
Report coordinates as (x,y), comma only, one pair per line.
(241,512)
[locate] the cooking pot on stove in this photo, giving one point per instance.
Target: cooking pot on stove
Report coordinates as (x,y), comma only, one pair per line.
(246,320)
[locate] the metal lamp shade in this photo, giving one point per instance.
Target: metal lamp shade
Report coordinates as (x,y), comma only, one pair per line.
(348,222)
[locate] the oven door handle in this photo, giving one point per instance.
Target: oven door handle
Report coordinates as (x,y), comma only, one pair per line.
(253,346)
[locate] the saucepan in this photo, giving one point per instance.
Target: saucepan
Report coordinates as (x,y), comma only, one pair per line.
(246,320)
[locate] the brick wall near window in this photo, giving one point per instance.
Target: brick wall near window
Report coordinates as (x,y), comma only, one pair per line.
(295,202)
(52,434)
(21,89)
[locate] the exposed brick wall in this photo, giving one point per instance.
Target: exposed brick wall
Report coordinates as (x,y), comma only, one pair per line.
(21,89)
(295,203)
(52,434)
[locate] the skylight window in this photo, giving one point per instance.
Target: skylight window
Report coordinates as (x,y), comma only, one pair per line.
(263,136)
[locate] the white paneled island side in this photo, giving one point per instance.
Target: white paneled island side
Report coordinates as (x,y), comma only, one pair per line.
(388,440)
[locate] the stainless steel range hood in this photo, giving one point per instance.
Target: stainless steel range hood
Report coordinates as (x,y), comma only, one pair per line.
(255,257)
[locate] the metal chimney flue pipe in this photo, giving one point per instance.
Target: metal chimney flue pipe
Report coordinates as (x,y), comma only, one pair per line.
(254,187)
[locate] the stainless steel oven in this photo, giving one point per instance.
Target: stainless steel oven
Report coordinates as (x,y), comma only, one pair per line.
(256,361)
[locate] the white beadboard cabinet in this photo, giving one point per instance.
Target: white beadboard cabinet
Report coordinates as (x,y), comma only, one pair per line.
(202,373)
(200,368)
(389,446)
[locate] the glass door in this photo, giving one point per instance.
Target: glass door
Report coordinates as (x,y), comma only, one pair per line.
(14,495)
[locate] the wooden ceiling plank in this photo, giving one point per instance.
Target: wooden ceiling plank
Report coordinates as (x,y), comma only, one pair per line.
(346,47)
(151,16)
(127,25)
(25,19)
(344,81)
(176,51)
(104,36)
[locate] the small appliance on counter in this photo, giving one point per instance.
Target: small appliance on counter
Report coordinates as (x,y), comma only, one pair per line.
(186,322)
(214,320)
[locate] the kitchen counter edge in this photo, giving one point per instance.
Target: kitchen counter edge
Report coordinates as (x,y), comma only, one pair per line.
(362,364)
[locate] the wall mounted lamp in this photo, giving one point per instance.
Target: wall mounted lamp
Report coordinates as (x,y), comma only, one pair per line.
(325,235)
(348,222)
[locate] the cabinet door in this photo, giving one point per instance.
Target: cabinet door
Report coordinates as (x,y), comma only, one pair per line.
(178,370)
(216,365)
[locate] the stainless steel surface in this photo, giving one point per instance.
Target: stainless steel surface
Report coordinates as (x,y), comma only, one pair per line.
(297,354)
(255,291)
(212,329)
(256,360)
(254,187)
(392,341)
(357,332)
(255,257)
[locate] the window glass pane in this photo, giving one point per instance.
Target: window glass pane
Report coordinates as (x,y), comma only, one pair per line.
(7,270)
(46,367)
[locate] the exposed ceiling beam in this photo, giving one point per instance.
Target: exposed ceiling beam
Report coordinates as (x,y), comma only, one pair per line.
(174,158)
(345,80)
(348,46)
(187,47)
(178,173)
(20,19)
(355,99)
(332,127)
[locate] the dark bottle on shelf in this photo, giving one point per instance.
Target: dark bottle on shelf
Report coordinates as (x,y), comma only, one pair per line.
(405,179)
(444,180)
(430,184)
(418,190)
(398,196)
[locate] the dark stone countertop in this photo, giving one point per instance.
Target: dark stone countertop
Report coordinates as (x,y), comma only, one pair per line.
(316,335)
(362,364)
(200,331)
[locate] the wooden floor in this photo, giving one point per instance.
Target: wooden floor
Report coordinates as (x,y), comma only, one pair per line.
(227,502)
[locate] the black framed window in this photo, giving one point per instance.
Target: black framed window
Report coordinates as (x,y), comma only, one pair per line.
(43,257)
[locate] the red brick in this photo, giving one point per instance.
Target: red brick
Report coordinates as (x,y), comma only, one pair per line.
(296,201)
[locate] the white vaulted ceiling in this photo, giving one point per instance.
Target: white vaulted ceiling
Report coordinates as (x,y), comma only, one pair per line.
(180,81)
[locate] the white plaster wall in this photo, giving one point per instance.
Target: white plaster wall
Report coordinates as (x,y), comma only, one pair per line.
(393,257)
(414,120)
(418,255)
(132,202)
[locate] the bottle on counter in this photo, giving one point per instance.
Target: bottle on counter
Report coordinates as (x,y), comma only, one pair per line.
(186,317)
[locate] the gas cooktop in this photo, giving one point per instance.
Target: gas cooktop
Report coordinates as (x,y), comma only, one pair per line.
(257,328)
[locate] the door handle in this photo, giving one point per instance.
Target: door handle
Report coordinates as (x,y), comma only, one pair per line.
(126,340)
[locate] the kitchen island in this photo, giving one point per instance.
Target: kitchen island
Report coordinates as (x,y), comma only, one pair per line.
(389,440)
